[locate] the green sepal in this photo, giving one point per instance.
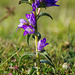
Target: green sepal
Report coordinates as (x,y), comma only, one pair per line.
(39,36)
(44,14)
(44,53)
(28,37)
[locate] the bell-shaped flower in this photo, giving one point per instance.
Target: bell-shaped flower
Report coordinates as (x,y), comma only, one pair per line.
(43,4)
(41,44)
(49,3)
(31,19)
(28,28)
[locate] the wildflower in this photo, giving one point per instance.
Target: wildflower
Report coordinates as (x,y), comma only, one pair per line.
(28,27)
(49,3)
(41,44)
(31,19)
(44,3)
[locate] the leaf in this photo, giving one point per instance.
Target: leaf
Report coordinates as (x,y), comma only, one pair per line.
(28,36)
(44,14)
(39,36)
(44,61)
(44,53)
(23,1)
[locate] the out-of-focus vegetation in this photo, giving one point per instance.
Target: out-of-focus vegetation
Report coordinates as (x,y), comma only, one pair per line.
(60,33)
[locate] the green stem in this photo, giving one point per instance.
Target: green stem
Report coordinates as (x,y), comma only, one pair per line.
(37,56)
(36,45)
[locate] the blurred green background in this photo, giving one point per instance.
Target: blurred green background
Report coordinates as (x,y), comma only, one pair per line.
(60,32)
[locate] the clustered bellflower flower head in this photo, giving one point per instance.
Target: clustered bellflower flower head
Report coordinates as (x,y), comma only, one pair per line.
(41,44)
(28,27)
(44,3)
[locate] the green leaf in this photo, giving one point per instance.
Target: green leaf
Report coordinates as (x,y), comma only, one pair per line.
(44,61)
(47,62)
(28,36)
(44,14)
(23,1)
(39,35)
(44,53)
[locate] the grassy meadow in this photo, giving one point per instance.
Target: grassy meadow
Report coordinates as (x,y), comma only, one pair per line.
(60,34)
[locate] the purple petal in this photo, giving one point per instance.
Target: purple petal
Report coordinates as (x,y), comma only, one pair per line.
(34,7)
(46,44)
(25,33)
(27,16)
(44,40)
(31,18)
(22,21)
(30,29)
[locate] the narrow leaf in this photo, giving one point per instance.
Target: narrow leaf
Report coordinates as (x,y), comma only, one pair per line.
(47,62)
(44,61)
(28,36)
(44,53)
(44,14)
(23,1)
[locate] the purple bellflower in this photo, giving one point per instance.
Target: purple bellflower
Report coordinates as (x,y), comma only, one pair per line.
(49,3)
(41,44)
(31,19)
(44,3)
(28,27)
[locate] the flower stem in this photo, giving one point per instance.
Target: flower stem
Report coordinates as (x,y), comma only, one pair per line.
(36,45)
(37,56)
